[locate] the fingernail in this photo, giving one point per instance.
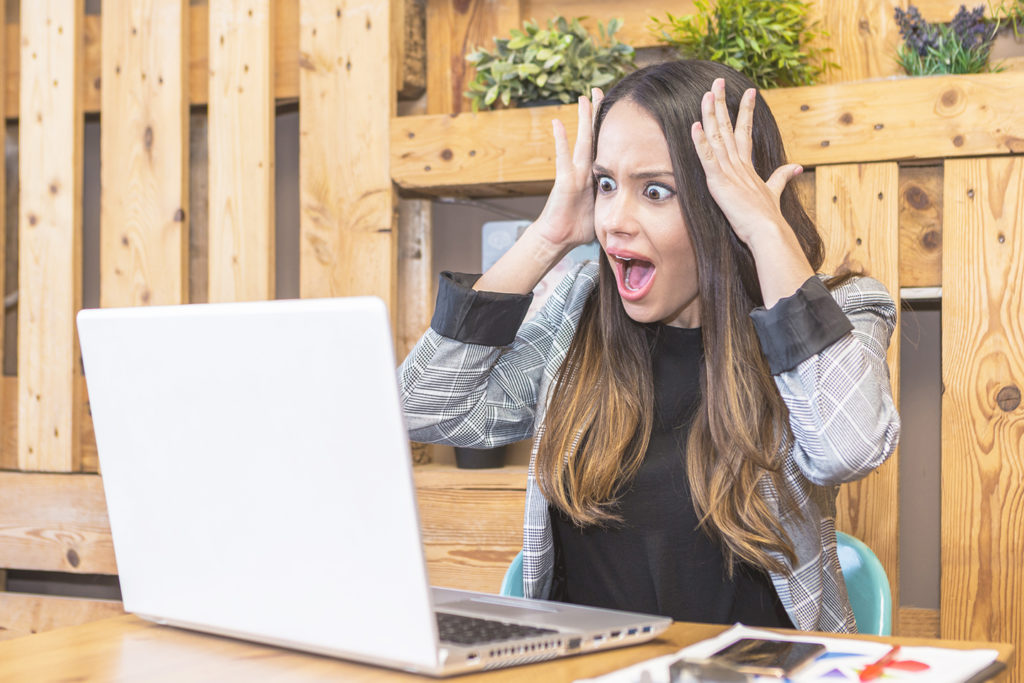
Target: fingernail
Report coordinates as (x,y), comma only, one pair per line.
(798,170)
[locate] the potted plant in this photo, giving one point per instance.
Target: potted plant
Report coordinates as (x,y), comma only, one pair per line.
(770,41)
(959,47)
(558,64)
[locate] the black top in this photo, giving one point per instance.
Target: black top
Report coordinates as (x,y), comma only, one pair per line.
(656,560)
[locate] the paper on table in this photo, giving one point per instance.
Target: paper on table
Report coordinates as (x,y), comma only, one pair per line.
(842,661)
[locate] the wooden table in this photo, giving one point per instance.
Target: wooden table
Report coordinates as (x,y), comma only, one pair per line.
(126,648)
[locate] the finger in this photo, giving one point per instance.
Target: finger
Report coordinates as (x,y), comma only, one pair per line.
(781,177)
(584,133)
(723,118)
(708,158)
(710,129)
(745,125)
(596,96)
(562,161)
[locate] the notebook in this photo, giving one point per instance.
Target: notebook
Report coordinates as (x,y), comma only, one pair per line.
(259,485)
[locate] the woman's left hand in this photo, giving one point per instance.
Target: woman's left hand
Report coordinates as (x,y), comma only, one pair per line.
(750,204)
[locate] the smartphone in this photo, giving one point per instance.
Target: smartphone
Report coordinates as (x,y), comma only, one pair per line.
(778,658)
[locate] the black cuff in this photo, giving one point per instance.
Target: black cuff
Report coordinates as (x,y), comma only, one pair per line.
(467,315)
(799,326)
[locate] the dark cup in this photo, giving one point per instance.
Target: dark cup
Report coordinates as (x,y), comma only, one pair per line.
(479,458)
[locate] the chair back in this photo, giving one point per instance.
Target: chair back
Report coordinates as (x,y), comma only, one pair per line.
(512,584)
(866,584)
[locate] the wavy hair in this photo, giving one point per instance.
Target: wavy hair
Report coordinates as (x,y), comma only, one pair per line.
(601,409)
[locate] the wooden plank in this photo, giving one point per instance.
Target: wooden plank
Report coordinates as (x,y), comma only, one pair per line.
(415,273)
(348,244)
(241,151)
(472,523)
(454,29)
(911,118)
(916,622)
(858,214)
(409,45)
(55,522)
(921,226)
(199,201)
(286,56)
(141,651)
(982,419)
(144,154)
(22,614)
(862,35)
(9,425)
(50,235)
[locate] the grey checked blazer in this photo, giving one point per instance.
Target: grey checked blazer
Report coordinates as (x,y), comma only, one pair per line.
(480,377)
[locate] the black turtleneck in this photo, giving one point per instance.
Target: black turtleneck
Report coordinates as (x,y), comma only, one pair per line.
(656,560)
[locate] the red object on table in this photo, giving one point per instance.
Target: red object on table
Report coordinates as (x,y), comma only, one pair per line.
(874,670)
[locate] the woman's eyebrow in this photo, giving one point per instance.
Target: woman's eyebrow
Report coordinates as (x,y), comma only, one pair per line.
(638,175)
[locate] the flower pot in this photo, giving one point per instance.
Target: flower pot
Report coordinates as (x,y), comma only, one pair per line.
(479,458)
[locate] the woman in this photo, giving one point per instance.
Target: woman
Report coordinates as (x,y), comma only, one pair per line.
(695,398)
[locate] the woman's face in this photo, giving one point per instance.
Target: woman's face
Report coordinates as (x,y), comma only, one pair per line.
(639,222)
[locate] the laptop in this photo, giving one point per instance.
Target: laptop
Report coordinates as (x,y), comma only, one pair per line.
(259,485)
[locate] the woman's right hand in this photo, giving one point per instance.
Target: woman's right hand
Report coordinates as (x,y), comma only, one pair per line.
(567,220)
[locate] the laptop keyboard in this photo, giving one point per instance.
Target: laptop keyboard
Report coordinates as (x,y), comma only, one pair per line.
(462,630)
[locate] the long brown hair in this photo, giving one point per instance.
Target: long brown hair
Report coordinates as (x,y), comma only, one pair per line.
(601,409)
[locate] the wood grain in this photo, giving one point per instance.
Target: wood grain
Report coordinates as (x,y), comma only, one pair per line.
(9,425)
(982,419)
(472,522)
(50,235)
(862,37)
(455,29)
(55,522)
(415,273)
(917,622)
(911,118)
(142,651)
(144,154)
(858,214)
(22,614)
(348,244)
(921,226)
(241,151)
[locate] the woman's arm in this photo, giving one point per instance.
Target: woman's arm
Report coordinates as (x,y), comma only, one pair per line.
(567,220)
(827,352)
(750,204)
(476,376)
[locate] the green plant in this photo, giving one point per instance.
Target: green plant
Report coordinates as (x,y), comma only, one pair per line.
(771,41)
(560,62)
(1012,12)
(959,47)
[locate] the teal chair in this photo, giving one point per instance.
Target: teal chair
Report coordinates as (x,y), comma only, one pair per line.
(866,583)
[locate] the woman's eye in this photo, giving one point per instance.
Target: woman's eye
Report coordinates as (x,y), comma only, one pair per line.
(605,184)
(657,192)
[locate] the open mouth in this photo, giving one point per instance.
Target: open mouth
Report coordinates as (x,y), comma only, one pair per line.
(634,274)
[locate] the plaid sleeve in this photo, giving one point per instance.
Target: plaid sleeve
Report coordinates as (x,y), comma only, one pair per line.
(841,409)
(482,390)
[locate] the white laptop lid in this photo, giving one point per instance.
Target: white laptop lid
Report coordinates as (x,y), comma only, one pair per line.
(257,473)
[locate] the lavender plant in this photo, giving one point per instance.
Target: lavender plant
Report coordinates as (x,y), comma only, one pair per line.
(960,47)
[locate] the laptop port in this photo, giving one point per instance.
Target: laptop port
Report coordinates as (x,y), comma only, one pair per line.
(631,632)
(471,657)
(598,638)
(573,644)
(615,634)
(647,629)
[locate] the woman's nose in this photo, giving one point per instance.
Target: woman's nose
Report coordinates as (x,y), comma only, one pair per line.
(617,216)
